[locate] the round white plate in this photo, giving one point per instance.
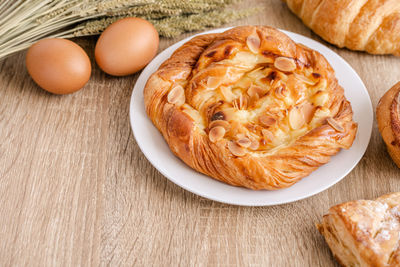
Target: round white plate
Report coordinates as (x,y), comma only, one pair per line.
(158,153)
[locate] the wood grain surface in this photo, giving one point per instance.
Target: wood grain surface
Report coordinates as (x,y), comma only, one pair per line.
(75,189)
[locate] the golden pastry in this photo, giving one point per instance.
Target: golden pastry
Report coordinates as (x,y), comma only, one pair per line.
(365,25)
(364,232)
(388,117)
(250,107)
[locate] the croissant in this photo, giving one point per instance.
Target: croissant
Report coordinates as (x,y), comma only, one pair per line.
(365,25)
(364,232)
(250,107)
(387,115)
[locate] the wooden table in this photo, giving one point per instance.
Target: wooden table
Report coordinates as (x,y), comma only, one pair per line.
(75,189)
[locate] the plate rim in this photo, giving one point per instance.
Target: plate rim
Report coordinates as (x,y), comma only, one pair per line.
(234,201)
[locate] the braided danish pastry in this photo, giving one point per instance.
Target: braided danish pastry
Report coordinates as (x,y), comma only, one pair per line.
(250,107)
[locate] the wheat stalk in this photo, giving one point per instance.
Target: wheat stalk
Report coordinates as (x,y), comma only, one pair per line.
(23,22)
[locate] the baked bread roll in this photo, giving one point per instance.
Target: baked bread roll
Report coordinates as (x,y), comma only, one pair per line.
(250,107)
(387,115)
(365,25)
(364,232)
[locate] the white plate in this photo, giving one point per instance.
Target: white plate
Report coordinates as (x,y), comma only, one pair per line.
(158,153)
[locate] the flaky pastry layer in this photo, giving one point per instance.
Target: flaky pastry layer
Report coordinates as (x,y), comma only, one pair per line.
(250,107)
(364,232)
(365,25)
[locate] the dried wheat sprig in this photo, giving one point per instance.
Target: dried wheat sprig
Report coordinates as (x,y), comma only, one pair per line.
(148,10)
(172,26)
(23,22)
(169,8)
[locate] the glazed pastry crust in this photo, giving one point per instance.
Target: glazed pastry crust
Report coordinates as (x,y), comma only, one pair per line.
(364,232)
(365,25)
(387,115)
(232,80)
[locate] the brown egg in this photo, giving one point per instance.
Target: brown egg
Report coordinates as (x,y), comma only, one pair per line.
(126,46)
(57,65)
